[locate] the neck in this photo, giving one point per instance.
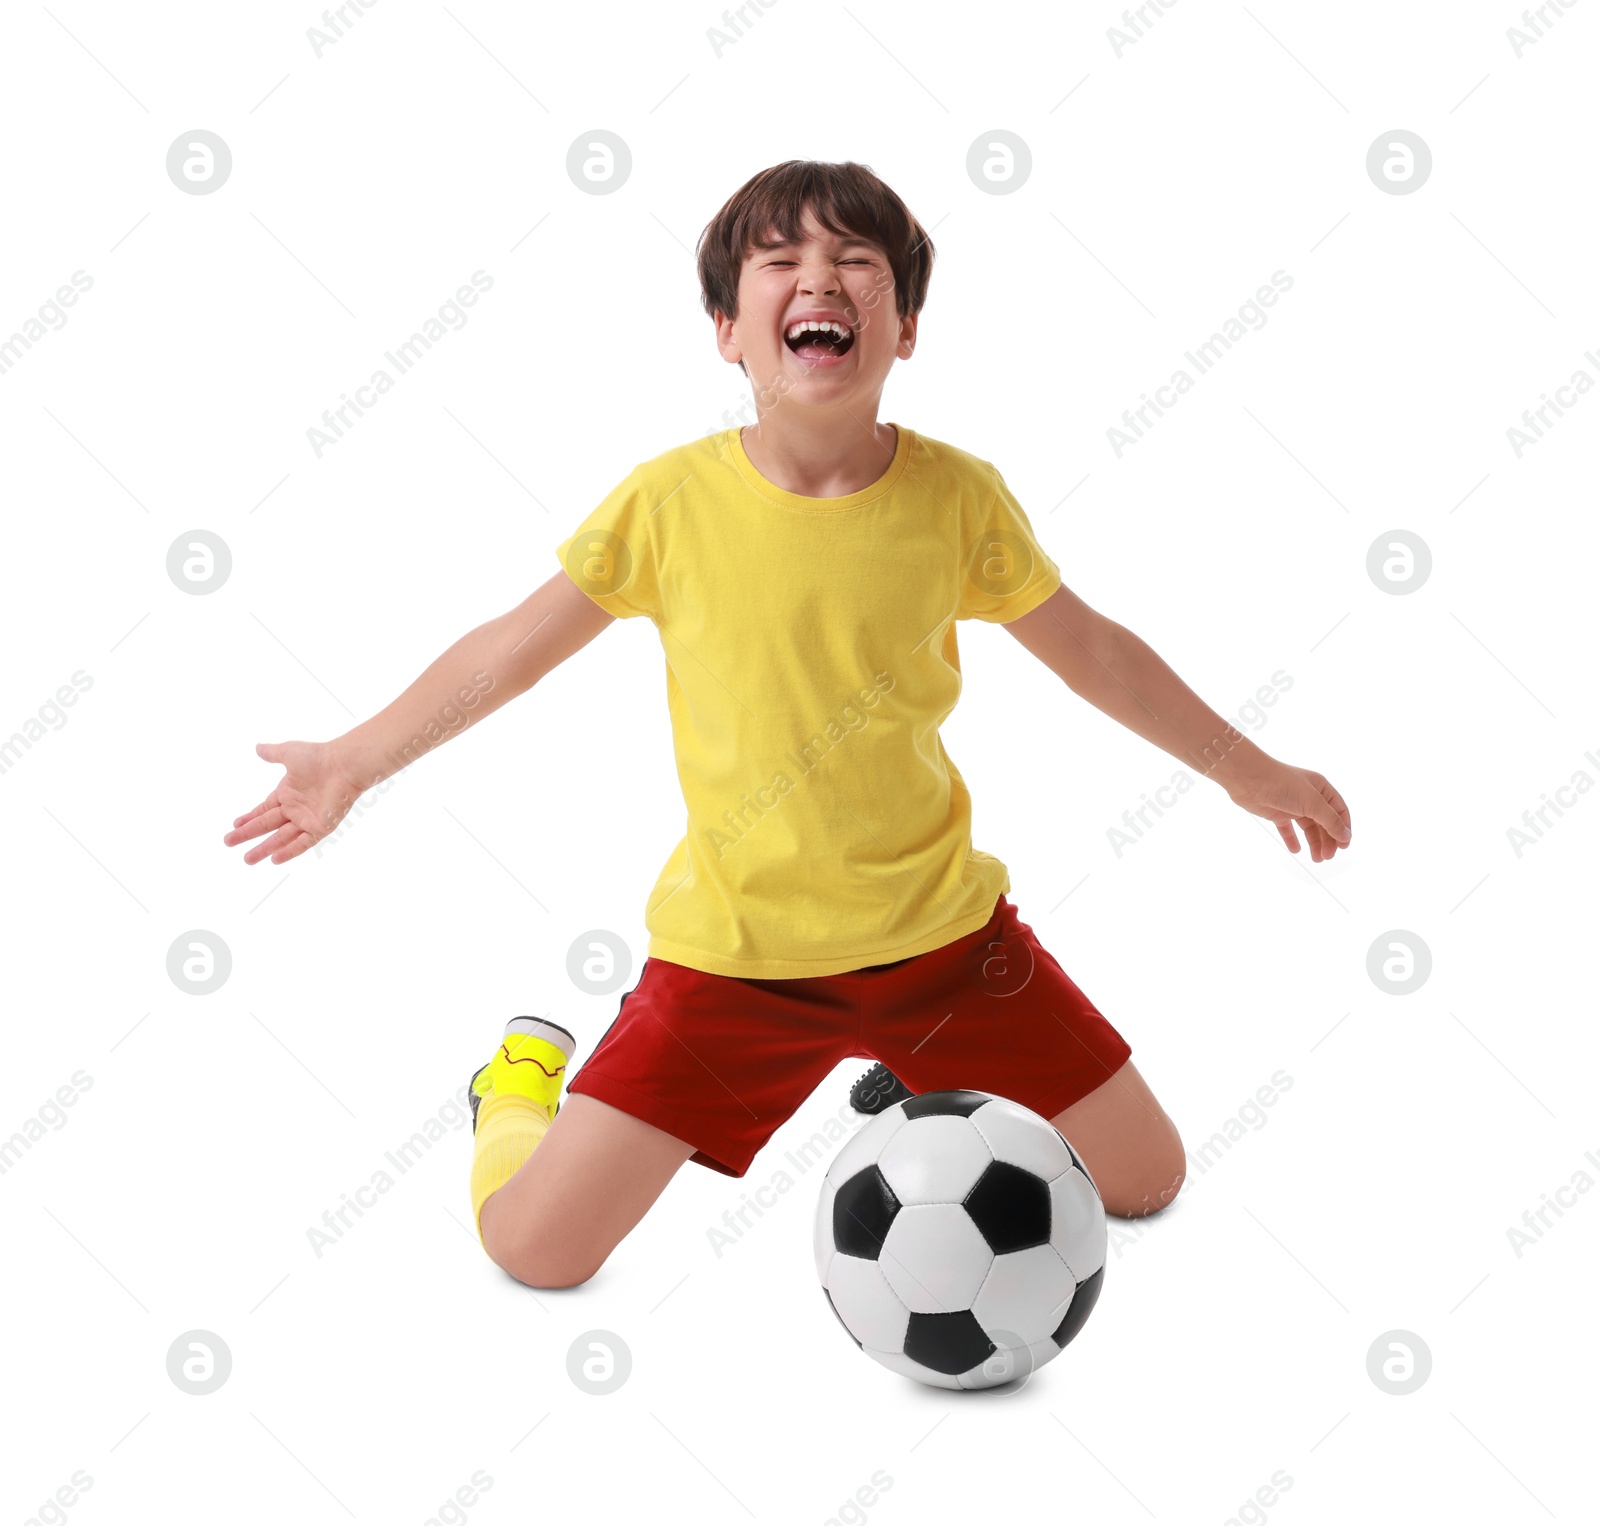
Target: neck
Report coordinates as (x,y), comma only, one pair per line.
(822,456)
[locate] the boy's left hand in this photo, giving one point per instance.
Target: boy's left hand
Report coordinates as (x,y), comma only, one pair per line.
(1285,794)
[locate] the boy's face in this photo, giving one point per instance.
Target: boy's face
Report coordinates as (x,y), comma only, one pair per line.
(845,277)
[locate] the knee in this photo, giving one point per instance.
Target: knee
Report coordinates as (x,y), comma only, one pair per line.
(537,1263)
(1146,1186)
(543,1268)
(538,1274)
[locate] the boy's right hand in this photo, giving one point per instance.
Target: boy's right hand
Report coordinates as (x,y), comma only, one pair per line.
(312,798)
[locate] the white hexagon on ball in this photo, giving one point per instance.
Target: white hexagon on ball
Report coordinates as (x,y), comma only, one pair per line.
(871,1310)
(1077,1223)
(1021,1292)
(1014,1135)
(935,1258)
(822,1231)
(934,1160)
(864,1147)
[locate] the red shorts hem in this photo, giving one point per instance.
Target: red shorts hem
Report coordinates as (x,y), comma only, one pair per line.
(665,1116)
(1059,1100)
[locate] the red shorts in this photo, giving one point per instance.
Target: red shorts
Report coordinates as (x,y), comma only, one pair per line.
(721,1062)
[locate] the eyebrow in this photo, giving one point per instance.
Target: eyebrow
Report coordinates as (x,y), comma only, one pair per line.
(849,243)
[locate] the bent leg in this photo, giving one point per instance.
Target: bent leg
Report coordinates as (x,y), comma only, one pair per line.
(1130,1145)
(591,1179)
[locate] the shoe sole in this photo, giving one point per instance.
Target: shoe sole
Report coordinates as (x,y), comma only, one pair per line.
(542,1027)
(883,1097)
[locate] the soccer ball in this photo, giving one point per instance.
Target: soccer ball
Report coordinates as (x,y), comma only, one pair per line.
(960,1240)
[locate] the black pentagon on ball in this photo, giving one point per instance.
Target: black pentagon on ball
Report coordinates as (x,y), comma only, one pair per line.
(948,1343)
(1078,1312)
(863,1209)
(1010,1206)
(958,1104)
(838,1316)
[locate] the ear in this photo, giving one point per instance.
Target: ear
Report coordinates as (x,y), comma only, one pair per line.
(727,346)
(908,336)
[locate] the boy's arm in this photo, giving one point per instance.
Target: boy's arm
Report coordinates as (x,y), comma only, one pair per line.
(485,669)
(1112,668)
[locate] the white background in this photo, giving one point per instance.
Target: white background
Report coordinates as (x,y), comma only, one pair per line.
(367,984)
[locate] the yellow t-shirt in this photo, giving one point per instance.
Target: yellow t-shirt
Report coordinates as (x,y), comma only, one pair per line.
(811,658)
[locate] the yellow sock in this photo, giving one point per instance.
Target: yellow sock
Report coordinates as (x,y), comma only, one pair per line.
(509,1126)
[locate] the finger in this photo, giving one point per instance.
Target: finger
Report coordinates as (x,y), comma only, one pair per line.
(284,834)
(295,848)
(1338,803)
(1335,819)
(1286,832)
(255,811)
(255,827)
(1344,812)
(1321,844)
(1320,812)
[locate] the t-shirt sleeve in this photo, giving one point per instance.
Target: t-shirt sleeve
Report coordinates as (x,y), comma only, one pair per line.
(611,555)
(1006,571)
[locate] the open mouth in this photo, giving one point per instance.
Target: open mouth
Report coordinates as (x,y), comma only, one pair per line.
(819,341)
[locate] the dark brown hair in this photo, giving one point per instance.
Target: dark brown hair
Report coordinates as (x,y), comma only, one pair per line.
(768,210)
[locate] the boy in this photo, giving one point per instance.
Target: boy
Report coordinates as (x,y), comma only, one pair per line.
(805,575)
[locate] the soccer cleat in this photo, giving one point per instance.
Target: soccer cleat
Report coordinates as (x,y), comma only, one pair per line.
(878,1089)
(531,1062)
